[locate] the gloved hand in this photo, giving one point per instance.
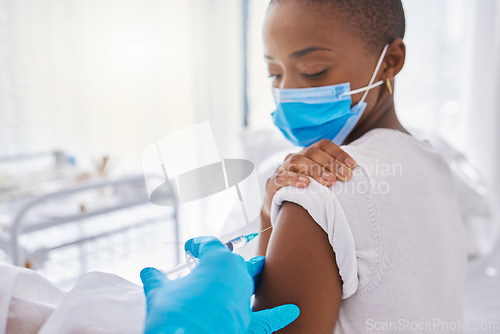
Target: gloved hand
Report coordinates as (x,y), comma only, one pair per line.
(214,298)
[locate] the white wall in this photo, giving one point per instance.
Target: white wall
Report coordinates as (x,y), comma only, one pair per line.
(94,77)
(100,77)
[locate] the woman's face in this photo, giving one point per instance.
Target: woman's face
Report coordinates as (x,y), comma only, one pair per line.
(308,46)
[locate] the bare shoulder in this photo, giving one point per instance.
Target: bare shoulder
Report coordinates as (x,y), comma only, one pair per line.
(301,269)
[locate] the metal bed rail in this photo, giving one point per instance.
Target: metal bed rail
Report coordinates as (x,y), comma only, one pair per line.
(21,226)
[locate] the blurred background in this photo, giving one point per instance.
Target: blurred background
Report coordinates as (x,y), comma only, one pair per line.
(86,86)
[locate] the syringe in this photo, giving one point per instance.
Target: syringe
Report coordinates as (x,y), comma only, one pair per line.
(183,269)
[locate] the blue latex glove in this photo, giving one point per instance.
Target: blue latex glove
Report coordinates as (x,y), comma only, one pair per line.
(214,298)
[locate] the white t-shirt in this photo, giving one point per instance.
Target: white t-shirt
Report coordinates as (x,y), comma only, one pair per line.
(397,234)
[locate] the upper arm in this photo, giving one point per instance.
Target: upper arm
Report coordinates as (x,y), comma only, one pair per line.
(300,268)
(264,236)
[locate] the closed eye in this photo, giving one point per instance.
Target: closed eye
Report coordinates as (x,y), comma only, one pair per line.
(314,75)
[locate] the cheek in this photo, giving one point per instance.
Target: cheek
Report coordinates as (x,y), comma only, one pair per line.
(371,101)
(359,80)
(353,71)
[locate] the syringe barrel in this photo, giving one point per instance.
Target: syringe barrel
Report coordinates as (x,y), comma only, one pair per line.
(183,269)
(236,243)
(178,271)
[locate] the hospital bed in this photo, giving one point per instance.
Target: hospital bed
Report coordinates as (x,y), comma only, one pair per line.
(60,228)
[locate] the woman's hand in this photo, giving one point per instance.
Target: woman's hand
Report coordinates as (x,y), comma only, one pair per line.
(324,161)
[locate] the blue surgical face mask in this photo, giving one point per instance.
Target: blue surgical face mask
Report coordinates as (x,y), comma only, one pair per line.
(307,115)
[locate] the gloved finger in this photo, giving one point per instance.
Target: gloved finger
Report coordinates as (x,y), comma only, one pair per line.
(152,278)
(201,246)
(255,265)
(272,320)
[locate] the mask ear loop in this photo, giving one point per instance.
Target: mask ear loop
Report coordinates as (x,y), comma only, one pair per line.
(364,89)
(375,74)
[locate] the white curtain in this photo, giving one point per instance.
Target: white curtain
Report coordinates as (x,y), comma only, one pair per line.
(481,89)
(101,77)
(450,82)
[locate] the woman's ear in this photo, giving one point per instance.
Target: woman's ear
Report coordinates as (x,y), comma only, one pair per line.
(394,59)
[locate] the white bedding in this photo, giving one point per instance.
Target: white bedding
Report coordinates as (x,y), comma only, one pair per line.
(99,303)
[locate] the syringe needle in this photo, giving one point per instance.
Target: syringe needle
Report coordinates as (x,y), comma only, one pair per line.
(264,230)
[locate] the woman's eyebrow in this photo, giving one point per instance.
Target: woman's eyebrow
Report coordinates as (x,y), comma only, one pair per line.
(303,52)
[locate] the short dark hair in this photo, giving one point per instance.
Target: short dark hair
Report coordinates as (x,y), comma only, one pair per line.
(378,22)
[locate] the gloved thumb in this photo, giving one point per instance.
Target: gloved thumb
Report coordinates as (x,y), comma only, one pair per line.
(152,278)
(272,320)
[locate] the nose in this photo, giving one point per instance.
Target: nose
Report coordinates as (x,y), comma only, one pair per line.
(290,81)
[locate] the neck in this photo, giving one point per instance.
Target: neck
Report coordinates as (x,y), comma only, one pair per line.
(383,116)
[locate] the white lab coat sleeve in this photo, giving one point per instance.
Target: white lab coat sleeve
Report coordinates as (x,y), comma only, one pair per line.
(100,303)
(26,300)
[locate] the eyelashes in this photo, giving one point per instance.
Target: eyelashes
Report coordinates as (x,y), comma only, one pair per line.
(308,76)
(314,75)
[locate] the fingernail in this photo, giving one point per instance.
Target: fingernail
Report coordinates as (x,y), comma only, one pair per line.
(350,163)
(343,171)
(303,179)
(327,176)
